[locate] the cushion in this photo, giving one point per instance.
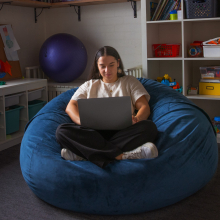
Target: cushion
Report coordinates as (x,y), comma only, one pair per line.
(188,157)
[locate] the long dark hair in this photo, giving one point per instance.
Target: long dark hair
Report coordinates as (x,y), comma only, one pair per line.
(105,51)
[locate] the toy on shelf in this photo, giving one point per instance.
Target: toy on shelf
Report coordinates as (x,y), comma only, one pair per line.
(196,49)
(167,80)
(215,41)
(192,90)
(5,67)
(2,83)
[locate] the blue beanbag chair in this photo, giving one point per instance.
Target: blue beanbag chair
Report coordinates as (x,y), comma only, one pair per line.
(188,157)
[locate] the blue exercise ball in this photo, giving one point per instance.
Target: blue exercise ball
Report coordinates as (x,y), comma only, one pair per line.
(63,57)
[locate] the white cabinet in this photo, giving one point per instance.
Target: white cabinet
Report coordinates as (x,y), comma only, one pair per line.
(17,92)
(184,69)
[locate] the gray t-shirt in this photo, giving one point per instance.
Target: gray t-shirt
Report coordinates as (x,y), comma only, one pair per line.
(124,86)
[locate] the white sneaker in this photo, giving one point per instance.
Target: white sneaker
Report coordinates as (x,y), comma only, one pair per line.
(69,155)
(146,151)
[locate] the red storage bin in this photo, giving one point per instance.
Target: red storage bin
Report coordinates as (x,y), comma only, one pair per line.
(166,50)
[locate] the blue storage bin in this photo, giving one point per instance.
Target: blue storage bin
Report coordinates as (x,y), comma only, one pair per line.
(34,107)
(12,119)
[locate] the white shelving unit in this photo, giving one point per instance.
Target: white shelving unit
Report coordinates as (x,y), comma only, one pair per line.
(21,87)
(183,68)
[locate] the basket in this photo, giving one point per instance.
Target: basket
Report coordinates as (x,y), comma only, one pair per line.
(12,118)
(34,107)
(166,50)
(201,8)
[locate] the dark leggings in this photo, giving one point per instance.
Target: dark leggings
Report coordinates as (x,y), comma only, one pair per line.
(101,147)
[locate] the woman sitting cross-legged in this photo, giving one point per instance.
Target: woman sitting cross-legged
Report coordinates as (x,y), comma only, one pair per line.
(107,79)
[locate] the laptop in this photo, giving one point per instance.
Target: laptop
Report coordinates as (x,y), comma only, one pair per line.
(110,113)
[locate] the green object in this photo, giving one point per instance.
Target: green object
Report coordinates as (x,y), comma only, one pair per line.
(2,83)
(173,15)
(8,136)
(12,117)
(34,107)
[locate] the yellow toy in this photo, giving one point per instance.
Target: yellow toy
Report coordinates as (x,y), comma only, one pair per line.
(166,76)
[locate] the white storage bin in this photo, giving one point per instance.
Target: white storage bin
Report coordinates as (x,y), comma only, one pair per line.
(211,51)
(12,99)
(35,94)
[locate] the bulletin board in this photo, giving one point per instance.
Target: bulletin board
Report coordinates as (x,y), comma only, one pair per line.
(15,65)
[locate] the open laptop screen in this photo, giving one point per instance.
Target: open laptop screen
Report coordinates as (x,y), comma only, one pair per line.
(110,113)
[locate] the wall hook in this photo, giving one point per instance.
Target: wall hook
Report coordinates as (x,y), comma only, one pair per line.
(35,13)
(79,12)
(4,3)
(134,7)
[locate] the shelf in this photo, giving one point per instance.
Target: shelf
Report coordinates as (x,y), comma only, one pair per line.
(183,68)
(164,21)
(187,20)
(13,140)
(207,97)
(12,136)
(165,58)
(202,19)
(27,3)
(180,58)
(202,58)
(86,2)
(37,4)
(21,87)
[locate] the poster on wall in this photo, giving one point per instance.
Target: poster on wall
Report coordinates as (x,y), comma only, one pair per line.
(9,63)
(10,43)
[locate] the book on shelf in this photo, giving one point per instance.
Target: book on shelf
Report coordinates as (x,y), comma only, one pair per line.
(153,6)
(160,6)
(157,8)
(173,5)
(167,10)
(163,9)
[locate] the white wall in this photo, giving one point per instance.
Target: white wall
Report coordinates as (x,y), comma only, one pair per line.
(108,24)
(101,25)
(30,36)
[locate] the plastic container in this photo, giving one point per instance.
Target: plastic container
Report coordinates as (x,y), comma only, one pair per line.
(195,50)
(179,15)
(35,94)
(12,100)
(211,51)
(34,107)
(210,72)
(166,50)
(12,119)
(209,88)
(173,15)
(216,124)
(201,8)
